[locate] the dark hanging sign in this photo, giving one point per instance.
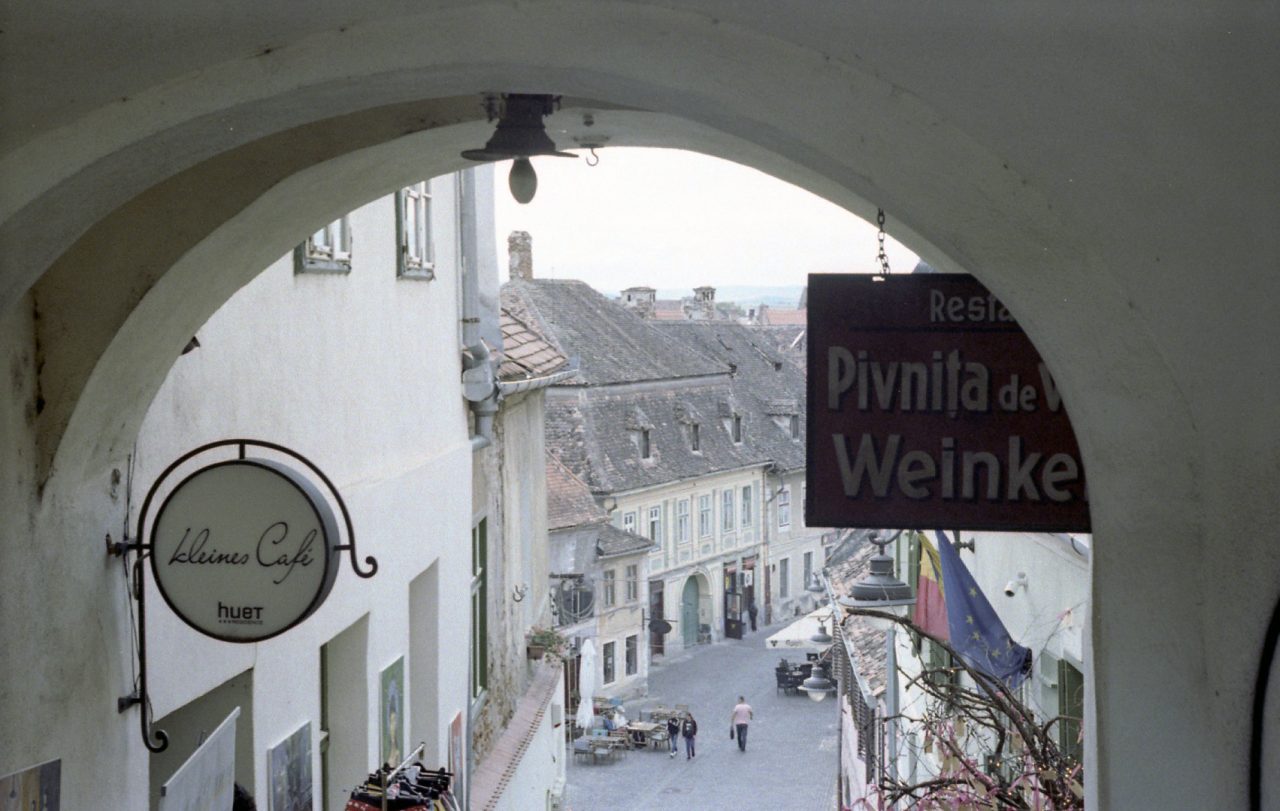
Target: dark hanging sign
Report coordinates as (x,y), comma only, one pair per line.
(244,550)
(929,407)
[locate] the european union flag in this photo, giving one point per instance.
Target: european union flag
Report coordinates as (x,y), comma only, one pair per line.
(977,633)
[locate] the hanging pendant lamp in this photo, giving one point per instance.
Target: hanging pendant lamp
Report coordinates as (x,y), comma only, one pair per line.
(520,135)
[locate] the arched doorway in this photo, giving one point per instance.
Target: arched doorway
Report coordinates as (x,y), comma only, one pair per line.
(690,601)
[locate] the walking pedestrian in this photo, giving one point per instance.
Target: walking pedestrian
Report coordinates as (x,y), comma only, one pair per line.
(751,610)
(740,718)
(689,731)
(673,733)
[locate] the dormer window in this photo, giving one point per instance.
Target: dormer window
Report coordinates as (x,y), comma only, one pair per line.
(795,426)
(644,444)
(737,429)
(695,441)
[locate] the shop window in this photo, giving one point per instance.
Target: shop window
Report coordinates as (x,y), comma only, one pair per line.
(415,258)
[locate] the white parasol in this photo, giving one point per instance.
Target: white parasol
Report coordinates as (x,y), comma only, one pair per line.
(797,635)
(586,685)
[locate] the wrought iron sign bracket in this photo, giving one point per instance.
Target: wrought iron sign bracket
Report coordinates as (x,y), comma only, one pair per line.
(156,740)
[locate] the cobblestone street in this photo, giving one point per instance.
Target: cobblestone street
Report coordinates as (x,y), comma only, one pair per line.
(790,760)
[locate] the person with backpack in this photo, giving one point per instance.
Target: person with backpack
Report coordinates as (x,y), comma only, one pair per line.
(689,731)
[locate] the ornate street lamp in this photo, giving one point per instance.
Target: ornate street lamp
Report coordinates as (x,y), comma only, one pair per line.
(818,686)
(882,591)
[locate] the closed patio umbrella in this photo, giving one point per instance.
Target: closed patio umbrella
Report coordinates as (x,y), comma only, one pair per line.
(586,685)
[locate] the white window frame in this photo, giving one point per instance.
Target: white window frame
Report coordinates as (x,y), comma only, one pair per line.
(808,568)
(629,521)
(726,510)
(655,524)
(784,578)
(415,255)
(682,521)
(609,589)
(631,574)
(784,506)
(328,250)
(746,505)
(706,516)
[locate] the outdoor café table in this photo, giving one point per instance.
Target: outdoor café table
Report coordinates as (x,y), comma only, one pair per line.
(640,732)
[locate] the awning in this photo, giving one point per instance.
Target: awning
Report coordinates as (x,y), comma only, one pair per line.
(796,636)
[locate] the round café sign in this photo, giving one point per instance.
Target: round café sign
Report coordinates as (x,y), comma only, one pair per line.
(244,550)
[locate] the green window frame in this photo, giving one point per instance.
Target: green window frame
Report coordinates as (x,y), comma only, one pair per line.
(479,608)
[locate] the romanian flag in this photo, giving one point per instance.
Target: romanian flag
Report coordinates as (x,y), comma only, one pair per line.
(931,607)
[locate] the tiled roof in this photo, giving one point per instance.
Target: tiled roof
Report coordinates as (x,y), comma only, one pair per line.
(783,316)
(526,354)
(580,549)
(569,500)
(612,345)
(848,563)
(613,542)
(768,383)
(596,429)
(669,315)
(588,429)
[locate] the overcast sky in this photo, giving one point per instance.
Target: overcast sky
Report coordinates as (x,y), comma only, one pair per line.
(671,219)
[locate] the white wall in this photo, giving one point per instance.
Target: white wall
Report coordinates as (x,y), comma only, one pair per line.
(345,369)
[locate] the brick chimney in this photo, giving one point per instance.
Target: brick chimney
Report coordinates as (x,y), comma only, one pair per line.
(639,300)
(704,303)
(520,255)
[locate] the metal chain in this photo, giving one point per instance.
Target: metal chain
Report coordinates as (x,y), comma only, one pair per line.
(881,257)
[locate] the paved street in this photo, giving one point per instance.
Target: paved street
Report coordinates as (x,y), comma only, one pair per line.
(790,760)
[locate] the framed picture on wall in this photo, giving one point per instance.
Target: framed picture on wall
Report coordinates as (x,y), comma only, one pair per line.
(392,714)
(38,787)
(289,772)
(457,762)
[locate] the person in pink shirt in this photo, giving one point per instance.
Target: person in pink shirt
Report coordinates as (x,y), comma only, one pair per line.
(741,716)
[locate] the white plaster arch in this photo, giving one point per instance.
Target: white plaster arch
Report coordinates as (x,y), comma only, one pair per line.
(859,138)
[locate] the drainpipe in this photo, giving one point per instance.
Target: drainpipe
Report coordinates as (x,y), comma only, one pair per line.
(479,367)
(481,390)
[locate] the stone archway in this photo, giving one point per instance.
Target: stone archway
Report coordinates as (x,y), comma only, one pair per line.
(133,207)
